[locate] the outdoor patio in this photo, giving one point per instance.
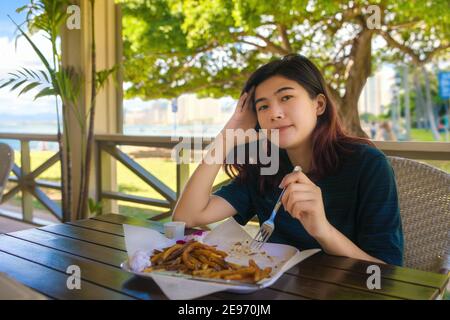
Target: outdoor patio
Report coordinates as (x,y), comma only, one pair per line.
(69,201)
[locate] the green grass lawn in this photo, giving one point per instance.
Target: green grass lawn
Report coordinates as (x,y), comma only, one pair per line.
(165,170)
(424,135)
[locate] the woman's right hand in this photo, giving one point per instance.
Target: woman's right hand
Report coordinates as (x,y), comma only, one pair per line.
(243,117)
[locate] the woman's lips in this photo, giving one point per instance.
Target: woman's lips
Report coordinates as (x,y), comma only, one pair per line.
(282,129)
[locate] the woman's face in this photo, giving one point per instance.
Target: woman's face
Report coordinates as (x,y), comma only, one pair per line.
(285,105)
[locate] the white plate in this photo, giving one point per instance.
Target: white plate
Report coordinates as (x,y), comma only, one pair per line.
(232,286)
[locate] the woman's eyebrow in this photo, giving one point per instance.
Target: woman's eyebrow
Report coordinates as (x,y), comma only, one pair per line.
(276,92)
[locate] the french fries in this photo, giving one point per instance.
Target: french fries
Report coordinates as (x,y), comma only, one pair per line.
(201,260)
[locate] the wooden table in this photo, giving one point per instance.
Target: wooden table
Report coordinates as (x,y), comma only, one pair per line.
(39,259)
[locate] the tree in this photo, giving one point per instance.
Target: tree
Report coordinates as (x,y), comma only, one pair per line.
(210,47)
(423,114)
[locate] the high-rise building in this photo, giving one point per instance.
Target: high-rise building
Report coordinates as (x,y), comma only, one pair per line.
(377,93)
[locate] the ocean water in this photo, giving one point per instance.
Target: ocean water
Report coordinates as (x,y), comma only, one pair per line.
(195,130)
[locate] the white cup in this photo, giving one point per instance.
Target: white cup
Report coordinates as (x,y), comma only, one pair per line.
(174,230)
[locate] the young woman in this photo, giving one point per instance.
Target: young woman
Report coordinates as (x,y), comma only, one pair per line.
(345,198)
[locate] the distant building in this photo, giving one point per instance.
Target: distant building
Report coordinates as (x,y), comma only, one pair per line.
(154,112)
(376,93)
(190,111)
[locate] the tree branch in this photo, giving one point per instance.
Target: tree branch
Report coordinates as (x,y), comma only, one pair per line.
(409,51)
(272,47)
(405,49)
(431,54)
(284,37)
(262,48)
(406,24)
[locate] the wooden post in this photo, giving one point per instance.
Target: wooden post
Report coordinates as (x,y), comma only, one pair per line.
(182,173)
(76,52)
(27,197)
(407,102)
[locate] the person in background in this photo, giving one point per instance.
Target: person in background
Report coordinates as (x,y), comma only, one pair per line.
(373,130)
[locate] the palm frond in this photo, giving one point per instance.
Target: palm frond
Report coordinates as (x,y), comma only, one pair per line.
(27,77)
(14,75)
(45,92)
(29,87)
(18,84)
(22,73)
(44,74)
(32,74)
(7,82)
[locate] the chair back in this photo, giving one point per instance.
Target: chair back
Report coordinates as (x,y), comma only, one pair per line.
(424,199)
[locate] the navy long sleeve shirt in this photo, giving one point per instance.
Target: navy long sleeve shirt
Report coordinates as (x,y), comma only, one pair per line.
(360,200)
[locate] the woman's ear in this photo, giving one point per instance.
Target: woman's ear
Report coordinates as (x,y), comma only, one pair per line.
(321,104)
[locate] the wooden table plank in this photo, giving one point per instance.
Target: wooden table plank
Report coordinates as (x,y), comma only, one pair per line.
(94,272)
(354,280)
(429,279)
(264,294)
(88,235)
(98,225)
(52,283)
(121,219)
(80,248)
(322,290)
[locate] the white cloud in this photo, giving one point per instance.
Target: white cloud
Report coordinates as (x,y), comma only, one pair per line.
(13,58)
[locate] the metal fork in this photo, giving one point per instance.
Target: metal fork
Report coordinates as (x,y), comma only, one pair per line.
(268,226)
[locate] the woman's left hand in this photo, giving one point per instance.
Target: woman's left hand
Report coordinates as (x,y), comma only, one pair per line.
(303,201)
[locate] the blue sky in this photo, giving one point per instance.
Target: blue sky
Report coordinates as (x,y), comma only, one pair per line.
(8,7)
(13,58)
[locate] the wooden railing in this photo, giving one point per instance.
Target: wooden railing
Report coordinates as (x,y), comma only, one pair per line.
(416,150)
(28,183)
(110,144)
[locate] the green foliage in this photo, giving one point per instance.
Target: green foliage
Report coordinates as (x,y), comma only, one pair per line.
(437,102)
(211,46)
(368,117)
(95,208)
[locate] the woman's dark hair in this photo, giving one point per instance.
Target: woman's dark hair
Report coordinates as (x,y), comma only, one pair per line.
(329,141)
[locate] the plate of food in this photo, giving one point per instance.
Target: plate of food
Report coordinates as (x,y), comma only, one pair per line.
(221,259)
(201,262)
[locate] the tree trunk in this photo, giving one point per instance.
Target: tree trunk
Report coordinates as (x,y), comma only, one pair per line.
(358,72)
(420,102)
(407,102)
(350,117)
(429,106)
